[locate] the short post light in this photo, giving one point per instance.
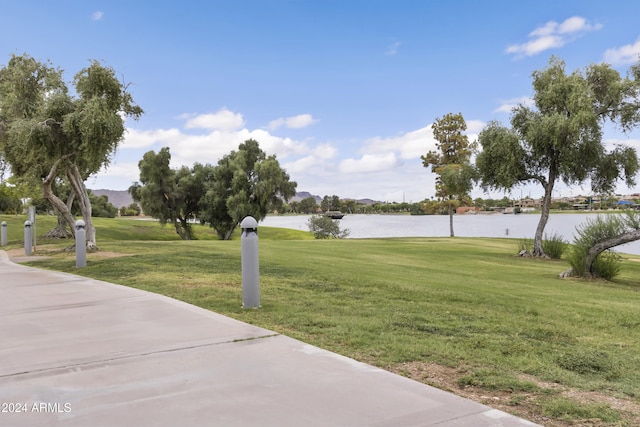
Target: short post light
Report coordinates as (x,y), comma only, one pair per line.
(27,238)
(3,238)
(81,244)
(250,271)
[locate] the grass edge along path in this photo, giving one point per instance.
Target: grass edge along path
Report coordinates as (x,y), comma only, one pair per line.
(461,314)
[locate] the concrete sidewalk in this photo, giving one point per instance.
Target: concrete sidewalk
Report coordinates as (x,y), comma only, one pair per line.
(80,352)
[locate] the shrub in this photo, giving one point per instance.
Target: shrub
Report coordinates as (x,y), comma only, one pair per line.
(324,227)
(524,244)
(607,264)
(554,246)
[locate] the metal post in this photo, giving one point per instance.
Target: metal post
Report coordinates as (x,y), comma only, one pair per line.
(27,238)
(32,218)
(3,240)
(250,273)
(81,244)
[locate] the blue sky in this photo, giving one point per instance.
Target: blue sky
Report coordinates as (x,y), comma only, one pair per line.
(343,91)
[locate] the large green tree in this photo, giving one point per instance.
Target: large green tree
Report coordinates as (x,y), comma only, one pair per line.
(245,182)
(560,137)
(451,161)
(171,196)
(308,205)
(45,132)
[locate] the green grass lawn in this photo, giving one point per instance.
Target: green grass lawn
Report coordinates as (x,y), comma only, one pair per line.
(501,324)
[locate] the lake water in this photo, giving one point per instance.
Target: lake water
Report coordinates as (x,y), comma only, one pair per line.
(495,225)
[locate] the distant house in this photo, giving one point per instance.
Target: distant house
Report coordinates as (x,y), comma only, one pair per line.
(466,210)
(528,202)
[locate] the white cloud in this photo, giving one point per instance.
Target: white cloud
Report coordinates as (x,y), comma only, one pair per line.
(215,135)
(223,120)
(626,54)
(577,24)
(408,145)
(97,15)
(369,163)
(552,35)
(141,139)
(325,151)
(393,49)
(127,170)
(309,166)
(413,144)
(294,122)
(474,127)
(509,104)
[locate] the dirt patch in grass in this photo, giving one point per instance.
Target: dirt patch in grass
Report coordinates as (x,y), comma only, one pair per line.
(526,405)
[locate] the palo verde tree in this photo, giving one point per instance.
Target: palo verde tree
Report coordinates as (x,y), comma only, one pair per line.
(560,138)
(46,133)
(451,161)
(245,182)
(171,196)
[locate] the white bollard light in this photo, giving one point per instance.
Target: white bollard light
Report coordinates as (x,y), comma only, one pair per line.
(81,244)
(250,270)
(27,238)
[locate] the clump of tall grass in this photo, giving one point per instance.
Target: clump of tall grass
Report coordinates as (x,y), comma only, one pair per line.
(554,246)
(524,245)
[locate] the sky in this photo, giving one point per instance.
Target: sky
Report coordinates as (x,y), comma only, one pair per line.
(343,92)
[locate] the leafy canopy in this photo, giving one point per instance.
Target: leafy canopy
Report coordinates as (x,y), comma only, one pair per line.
(560,138)
(245,182)
(171,196)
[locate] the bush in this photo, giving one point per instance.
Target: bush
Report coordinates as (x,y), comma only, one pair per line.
(554,246)
(525,245)
(607,264)
(324,227)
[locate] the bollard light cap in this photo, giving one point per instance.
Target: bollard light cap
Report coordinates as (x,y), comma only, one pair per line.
(249,222)
(4,223)
(80,223)
(27,223)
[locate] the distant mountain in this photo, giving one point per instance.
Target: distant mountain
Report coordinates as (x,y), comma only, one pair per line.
(303,195)
(117,198)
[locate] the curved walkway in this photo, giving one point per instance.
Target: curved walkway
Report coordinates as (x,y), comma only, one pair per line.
(79,352)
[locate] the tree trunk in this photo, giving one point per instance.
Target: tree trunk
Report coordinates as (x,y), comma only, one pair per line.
(179,231)
(544,216)
(450,219)
(77,183)
(186,228)
(228,233)
(600,247)
(183,228)
(58,205)
(60,231)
